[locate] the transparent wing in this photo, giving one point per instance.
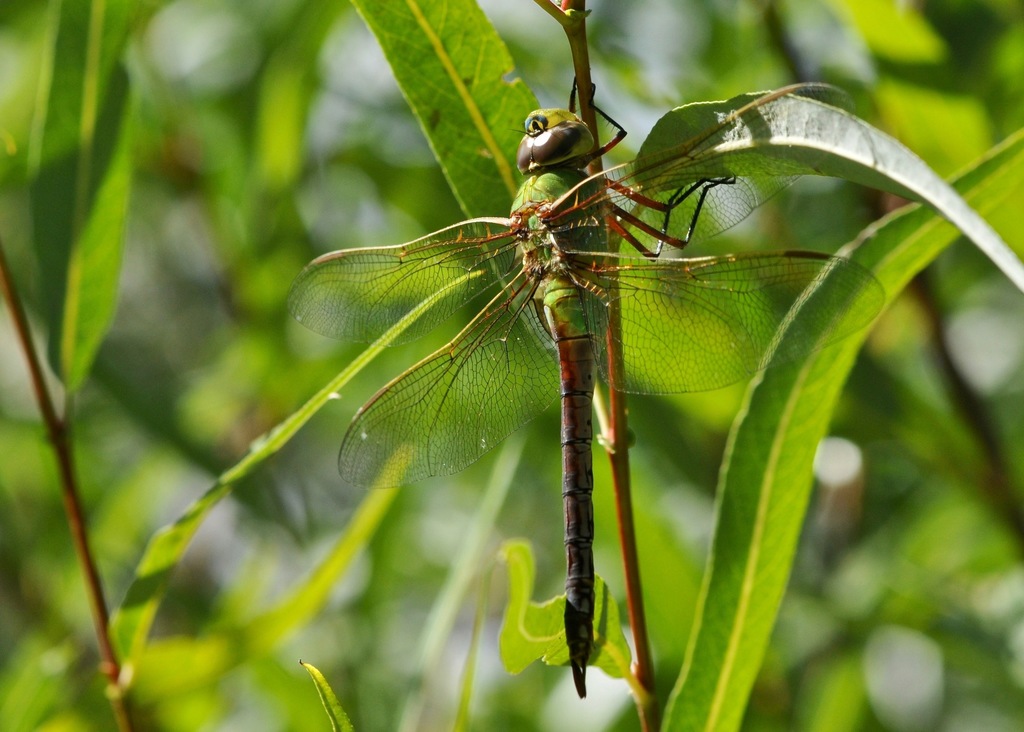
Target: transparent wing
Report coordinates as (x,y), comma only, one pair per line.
(700,324)
(357,294)
(455,405)
(707,155)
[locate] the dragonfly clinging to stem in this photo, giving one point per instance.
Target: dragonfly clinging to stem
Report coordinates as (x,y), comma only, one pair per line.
(575,248)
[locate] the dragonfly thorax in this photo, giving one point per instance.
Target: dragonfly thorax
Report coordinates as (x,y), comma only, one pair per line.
(546,187)
(543,256)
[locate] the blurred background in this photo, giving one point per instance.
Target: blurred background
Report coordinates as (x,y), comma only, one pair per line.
(272,132)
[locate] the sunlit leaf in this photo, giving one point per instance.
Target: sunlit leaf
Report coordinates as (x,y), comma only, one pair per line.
(339,720)
(802,133)
(900,34)
(532,631)
(766,481)
(840,699)
(450,64)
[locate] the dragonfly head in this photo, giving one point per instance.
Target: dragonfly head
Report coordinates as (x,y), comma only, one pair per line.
(554,137)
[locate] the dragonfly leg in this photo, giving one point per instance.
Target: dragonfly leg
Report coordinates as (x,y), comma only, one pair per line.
(572,94)
(620,131)
(681,195)
(667,207)
(661,237)
(615,226)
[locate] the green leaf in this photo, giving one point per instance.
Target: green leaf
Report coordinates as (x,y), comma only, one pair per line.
(439,624)
(899,34)
(533,630)
(466,691)
(839,697)
(132,621)
(80,170)
(159,668)
(766,480)
(792,132)
(311,595)
(450,63)
(339,720)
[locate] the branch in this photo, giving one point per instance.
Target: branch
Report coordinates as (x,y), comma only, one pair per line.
(58,432)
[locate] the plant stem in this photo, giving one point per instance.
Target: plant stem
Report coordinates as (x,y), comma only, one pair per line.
(995,485)
(59,434)
(616,439)
(799,68)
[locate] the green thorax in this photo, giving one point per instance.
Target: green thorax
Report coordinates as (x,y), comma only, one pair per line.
(571,223)
(561,212)
(552,237)
(546,186)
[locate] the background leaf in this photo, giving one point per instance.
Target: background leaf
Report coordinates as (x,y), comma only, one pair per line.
(451,65)
(80,168)
(339,720)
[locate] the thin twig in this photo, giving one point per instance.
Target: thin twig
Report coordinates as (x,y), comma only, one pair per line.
(58,432)
(996,486)
(799,68)
(551,9)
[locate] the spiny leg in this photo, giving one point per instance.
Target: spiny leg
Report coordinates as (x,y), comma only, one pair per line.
(620,131)
(667,207)
(614,222)
(681,195)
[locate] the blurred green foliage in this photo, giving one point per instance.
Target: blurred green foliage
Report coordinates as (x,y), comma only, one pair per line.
(260,134)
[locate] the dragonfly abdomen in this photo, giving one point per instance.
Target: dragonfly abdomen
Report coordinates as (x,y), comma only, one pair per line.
(576,360)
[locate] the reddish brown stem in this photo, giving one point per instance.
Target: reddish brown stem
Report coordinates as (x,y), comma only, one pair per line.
(58,432)
(618,454)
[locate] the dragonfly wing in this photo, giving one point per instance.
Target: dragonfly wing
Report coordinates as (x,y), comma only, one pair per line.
(711,155)
(357,294)
(700,324)
(448,410)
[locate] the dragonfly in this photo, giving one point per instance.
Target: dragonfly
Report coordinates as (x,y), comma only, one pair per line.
(583,278)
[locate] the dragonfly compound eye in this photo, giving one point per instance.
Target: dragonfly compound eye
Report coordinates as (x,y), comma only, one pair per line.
(536,123)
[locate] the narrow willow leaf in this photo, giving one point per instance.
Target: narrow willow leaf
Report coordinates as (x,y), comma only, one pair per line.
(450,63)
(532,631)
(766,480)
(79,168)
(159,669)
(339,720)
(793,132)
(471,557)
(839,703)
(132,621)
(469,672)
(95,265)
